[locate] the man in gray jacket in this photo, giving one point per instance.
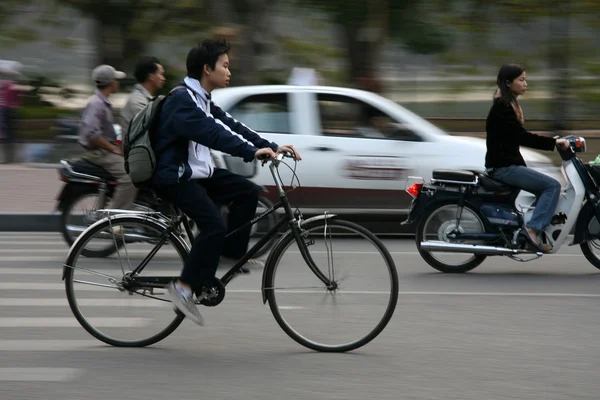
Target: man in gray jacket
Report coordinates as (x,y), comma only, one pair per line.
(149,74)
(97,135)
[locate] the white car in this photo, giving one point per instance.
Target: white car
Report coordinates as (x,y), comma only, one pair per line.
(357,147)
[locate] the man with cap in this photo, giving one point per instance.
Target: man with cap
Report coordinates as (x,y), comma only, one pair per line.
(97,135)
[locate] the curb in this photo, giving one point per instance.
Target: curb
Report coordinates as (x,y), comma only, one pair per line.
(29,222)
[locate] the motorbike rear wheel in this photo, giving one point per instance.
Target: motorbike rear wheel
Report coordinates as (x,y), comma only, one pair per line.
(71,232)
(436,224)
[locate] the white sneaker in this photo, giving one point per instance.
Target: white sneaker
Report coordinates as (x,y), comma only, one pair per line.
(185,304)
(227,262)
(118,231)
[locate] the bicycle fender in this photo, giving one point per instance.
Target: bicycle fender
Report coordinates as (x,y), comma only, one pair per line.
(276,245)
(71,254)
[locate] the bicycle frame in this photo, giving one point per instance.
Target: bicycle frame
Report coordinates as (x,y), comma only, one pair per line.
(294,225)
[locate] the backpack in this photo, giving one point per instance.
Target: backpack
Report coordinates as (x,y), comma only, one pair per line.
(138,152)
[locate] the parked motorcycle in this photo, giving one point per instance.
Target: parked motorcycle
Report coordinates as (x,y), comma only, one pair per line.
(89,188)
(462,216)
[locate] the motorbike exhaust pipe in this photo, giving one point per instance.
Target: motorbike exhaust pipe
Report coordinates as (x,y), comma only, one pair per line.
(468,248)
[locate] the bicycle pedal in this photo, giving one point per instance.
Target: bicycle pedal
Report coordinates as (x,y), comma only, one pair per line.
(309,242)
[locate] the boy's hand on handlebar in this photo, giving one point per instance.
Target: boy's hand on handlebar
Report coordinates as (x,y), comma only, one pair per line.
(265,154)
(562,143)
(289,149)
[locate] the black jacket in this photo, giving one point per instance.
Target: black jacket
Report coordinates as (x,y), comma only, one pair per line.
(504,136)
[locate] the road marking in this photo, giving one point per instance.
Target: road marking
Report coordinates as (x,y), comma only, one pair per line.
(138,256)
(49,286)
(116,272)
(36,322)
(57,302)
(166,257)
(50,345)
(40,374)
(30,243)
(507,294)
(81,287)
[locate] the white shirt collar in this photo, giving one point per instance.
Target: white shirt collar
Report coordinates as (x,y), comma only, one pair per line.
(194,85)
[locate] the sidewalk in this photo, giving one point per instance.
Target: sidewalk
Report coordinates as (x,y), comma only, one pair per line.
(24,189)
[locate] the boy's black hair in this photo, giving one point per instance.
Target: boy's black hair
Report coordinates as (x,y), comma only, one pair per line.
(207,52)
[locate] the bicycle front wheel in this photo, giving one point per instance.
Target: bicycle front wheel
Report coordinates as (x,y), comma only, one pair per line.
(113,301)
(349,297)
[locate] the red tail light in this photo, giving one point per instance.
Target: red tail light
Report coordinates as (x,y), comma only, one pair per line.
(62,177)
(415,189)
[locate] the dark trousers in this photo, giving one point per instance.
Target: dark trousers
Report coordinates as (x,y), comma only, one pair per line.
(201,200)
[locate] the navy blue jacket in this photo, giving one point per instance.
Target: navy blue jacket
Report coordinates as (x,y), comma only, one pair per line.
(181,121)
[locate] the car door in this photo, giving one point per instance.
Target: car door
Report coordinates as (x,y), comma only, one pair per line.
(275,117)
(371,155)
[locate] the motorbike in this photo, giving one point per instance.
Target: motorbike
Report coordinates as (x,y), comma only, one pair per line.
(462,217)
(89,188)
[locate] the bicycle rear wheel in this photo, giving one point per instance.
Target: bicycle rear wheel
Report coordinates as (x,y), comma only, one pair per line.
(109,301)
(353,308)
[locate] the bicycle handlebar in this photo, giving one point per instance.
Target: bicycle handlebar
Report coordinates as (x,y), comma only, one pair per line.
(278,158)
(274,165)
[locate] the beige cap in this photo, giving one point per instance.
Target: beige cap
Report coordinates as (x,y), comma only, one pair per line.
(105,74)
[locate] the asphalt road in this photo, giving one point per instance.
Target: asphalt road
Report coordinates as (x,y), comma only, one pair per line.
(506,330)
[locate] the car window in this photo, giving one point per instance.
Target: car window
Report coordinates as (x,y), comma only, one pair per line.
(264,113)
(344,116)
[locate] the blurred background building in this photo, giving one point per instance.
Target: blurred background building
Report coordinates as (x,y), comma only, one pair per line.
(435,57)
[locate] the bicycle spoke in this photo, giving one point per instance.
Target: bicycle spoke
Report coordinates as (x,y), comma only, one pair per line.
(95,284)
(335,317)
(131,301)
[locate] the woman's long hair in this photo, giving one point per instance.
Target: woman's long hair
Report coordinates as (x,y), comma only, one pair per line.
(507,74)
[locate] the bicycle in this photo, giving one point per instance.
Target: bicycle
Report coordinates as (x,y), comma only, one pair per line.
(139,291)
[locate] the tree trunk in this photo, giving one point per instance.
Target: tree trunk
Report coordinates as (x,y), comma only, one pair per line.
(108,44)
(362,55)
(559,63)
(113,49)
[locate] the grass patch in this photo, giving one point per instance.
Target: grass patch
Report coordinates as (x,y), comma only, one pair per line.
(42,112)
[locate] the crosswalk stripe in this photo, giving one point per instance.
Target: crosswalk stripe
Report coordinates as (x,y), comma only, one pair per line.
(37,374)
(62,302)
(65,251)
(162,256)
(36,243)
(40,322)
(58,271)
(50,345)
(34,251)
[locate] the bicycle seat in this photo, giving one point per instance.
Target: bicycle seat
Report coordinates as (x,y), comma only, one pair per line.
(83,166)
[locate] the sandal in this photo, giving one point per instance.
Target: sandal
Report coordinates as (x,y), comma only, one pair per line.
(544,247)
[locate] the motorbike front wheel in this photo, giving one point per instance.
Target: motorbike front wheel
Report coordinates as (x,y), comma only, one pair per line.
(591,247)
(436,224)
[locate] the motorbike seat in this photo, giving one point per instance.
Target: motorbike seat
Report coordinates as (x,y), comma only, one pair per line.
(83,166)
(461,176)
(493,185)
(453,175)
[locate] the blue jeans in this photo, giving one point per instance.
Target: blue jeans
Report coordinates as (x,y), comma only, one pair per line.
(546,189)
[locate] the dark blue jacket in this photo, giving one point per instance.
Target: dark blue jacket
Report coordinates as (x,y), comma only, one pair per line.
(181,121)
